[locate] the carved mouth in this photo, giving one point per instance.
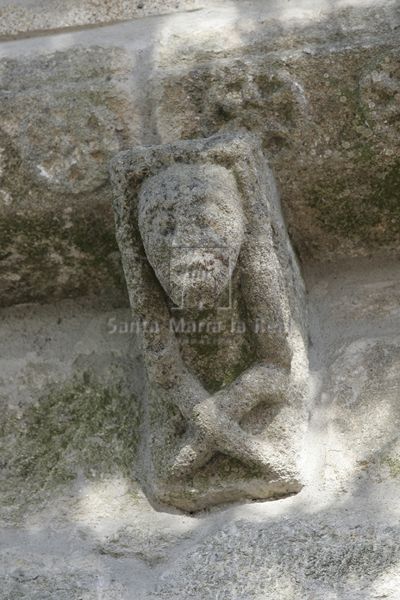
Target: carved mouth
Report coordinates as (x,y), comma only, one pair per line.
(197,280)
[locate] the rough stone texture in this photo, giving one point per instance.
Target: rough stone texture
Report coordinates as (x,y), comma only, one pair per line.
(327,108)
(96,535)
(62,374)
(359,348)
(61,121)
(193,235)
(318,84)
(27,17)
(224,380)
(288,559)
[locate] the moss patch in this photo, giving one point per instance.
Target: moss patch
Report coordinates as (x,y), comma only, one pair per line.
(79,429)
(394,466)
(58,254)
(376,215)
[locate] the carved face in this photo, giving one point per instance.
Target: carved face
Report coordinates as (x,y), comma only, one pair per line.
(191,222)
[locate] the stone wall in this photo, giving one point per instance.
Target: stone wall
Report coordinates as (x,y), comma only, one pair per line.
(318,81)
(27,17)
(319,84)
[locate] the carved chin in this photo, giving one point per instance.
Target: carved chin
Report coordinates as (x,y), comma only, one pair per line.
(196,280)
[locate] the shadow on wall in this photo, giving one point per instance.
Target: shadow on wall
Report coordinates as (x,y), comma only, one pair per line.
(302,546)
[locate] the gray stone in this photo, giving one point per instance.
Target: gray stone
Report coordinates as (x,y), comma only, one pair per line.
(289,560)
(358,349)
(213,432)
(94,534)
(317,83)
(339,174)
(61,121)
(69,101)
(27,17)
(192,226)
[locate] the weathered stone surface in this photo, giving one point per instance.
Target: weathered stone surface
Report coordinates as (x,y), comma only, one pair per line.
(193,236)
(359,348)
(187,235)
(62,395)
(337,539)
(328,114)
(69,101)
(26,17)
(62,118)
(318,83)
(289,560)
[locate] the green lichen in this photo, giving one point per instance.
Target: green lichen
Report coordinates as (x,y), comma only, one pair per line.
(79,429)
(354,188)
(394,466)
(372,215)
(386,192)
(57,255)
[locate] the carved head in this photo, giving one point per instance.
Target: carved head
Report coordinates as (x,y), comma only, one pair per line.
(192,227)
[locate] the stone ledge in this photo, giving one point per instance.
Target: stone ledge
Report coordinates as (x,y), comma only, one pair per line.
(27,17)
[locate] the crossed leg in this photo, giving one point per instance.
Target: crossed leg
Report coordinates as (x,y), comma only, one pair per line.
(214,424)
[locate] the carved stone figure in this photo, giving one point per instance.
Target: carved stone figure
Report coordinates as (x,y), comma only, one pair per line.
(215,287)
